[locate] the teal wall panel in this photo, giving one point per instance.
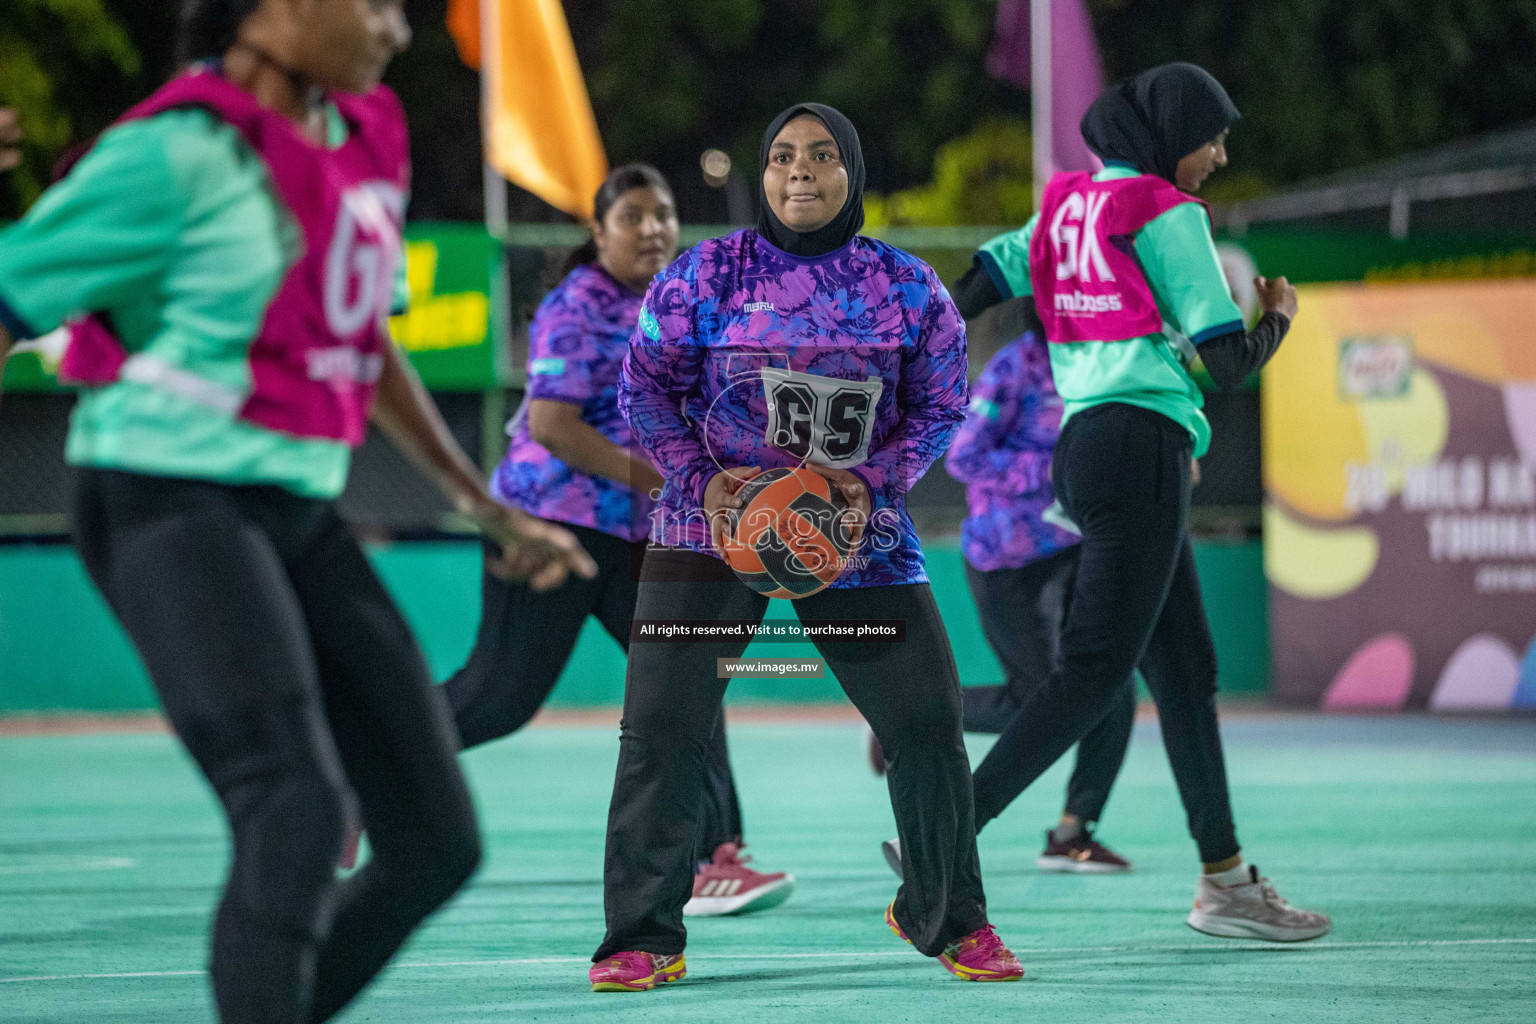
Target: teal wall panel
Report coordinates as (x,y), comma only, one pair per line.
(60,649)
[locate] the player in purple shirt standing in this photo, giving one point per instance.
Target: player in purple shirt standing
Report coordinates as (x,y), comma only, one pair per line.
(797,343)
(1020,565)
(572,461)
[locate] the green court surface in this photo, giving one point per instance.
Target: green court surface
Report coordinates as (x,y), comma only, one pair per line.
(1417,834)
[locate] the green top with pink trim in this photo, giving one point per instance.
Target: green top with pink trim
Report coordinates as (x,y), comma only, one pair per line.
(1177,254)
(171,226)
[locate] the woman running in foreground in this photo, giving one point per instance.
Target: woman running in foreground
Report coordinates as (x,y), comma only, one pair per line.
(236,237)
(798,343)
(1125,278)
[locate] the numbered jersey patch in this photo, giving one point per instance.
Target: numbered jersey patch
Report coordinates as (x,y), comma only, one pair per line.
(820,419)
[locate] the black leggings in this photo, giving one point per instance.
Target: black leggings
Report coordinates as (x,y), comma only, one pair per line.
(294,682)
(526,639)
(908,692)
(1122,474)
(1021,613)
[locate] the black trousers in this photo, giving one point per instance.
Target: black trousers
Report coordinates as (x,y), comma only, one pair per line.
(908,692)
(295,684)
(1022,611)
(1123,475)
(525,640)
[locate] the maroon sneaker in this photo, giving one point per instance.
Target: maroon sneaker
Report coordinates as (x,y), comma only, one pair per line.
(350,842)
(727,886)
(876,753)
(1082,855)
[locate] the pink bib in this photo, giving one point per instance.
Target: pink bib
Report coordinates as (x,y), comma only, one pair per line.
(317,358)
(1088,284)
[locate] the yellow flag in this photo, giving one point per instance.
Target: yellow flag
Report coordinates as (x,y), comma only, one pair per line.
(539,129)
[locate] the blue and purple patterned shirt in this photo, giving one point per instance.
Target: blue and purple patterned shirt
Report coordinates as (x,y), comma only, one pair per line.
(748,356)
(1003,456)
(576,350)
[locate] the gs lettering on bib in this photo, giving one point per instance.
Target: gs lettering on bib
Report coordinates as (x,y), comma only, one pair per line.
(820,419)
(1087,281)
(361,259)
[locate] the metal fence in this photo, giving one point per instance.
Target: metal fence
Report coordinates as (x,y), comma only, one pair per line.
(386,497)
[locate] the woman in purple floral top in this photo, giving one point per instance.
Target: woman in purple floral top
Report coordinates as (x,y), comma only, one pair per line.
(572,461)
(799,343)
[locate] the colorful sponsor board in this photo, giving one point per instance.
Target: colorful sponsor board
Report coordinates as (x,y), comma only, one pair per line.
(1400,497)
(454,341)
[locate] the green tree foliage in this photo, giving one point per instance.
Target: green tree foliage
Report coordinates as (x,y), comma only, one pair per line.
(983,177)
(1323,84)
(49,51)
(442,104)
(670,78)
(1329,84)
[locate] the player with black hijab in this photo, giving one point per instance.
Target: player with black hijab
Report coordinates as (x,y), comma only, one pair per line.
(1127,286)
(797,343)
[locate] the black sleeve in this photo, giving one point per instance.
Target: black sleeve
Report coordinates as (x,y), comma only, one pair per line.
(976,293)
(1230,358)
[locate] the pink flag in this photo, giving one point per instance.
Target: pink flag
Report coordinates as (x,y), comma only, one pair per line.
(1077,73)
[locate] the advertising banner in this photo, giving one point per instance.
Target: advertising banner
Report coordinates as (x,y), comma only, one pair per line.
(454,341)
(1400,499)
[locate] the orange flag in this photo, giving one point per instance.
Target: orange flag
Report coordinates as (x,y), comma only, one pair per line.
(539,129)
(464,26)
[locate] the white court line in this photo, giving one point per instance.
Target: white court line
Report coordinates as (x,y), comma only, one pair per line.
(94,977)
(1205,947)
(61,864)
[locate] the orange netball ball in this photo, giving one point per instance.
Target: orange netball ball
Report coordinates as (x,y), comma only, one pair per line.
(790,538)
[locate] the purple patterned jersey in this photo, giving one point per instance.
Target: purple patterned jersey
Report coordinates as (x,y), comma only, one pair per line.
(748,356)
(1003,456)
(576,350)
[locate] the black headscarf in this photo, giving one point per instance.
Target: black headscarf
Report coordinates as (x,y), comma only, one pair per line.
(849,219)
(1159,117)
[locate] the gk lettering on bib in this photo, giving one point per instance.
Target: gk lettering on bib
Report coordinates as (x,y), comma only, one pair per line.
(820,419)
(1087,282)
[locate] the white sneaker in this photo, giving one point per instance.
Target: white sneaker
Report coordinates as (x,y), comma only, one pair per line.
(892,850)
(1252,910)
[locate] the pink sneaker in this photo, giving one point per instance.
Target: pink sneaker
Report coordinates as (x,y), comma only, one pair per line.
(634,971)
(980,956)
(727,886)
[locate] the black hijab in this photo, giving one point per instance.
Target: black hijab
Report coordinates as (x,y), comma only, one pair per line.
(849,219)
(1159,117)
